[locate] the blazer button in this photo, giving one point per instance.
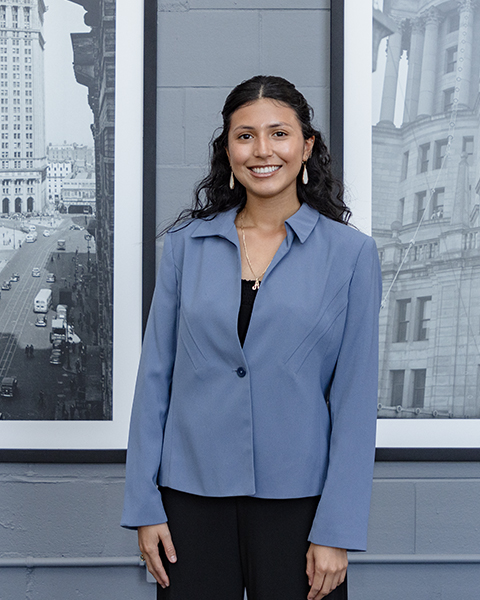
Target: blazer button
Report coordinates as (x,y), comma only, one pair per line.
(241,372)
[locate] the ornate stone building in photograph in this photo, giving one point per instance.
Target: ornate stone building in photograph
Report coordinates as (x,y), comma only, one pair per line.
(426,196)
(94,64)
(22,105)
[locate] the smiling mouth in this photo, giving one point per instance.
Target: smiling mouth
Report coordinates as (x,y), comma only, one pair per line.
(264,170)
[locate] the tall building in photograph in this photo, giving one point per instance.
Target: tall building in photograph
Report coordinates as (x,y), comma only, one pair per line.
(22,105)
(426,204)
(94,64)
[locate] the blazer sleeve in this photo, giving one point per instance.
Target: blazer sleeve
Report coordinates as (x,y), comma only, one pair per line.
(341,519)
(143,502)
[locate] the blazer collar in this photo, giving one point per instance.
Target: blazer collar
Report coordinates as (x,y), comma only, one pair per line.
(301,223)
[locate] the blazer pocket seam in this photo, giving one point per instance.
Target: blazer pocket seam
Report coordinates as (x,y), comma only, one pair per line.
(189,338)
(309,350)
(292,354)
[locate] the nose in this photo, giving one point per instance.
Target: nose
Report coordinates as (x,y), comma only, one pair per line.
(263,146)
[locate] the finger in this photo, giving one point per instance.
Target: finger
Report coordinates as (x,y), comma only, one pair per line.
(155,566)
(316,586)
(330,582)
(168,546)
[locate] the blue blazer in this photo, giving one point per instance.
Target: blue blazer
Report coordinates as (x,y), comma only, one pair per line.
(292,413)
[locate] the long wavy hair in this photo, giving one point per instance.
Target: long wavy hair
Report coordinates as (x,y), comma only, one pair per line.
(323,192)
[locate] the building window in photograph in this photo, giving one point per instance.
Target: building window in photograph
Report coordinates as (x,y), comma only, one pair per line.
(402,320)
(404,171)
(448,99)
(418,397)
(401,210)
(397,383)
(423,158)
(437,203)
(423,318)
(420,198)
(450,59)
(440,152)
(467,145)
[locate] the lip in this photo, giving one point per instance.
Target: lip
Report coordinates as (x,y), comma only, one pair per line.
(264,170)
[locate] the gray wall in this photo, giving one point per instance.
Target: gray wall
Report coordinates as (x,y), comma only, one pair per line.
(424,534)
(422,513)
(61,511)
(207,49)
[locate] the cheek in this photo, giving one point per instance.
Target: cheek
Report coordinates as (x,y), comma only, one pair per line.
(238,156)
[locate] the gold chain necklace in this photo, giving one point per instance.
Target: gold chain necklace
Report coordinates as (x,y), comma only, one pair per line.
(256,285)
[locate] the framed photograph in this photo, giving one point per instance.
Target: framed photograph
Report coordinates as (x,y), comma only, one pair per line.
(71,227)
(412,167)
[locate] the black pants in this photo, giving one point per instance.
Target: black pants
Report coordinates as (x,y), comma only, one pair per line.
(227,545)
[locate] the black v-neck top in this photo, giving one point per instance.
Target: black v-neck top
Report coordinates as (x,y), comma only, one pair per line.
(246,307)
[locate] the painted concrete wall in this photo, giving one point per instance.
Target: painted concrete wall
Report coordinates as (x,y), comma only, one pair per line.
(206,47)
(425,520)
(420,511)
(57,511)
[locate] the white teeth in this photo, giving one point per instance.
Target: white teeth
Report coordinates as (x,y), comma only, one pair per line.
(261,170)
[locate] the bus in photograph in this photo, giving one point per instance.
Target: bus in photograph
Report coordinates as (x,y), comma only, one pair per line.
(43,301)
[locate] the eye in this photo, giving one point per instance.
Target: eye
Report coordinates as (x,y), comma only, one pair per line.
(280,134)
(245,136)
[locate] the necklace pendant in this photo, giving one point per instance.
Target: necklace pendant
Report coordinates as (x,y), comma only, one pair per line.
(256,285)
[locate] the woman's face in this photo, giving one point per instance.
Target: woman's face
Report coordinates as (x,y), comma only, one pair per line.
(266,149)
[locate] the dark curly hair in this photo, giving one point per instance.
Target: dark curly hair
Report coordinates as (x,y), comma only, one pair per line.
(323,192)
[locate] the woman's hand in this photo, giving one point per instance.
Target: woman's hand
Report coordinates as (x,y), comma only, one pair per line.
(149,537)
(326,570)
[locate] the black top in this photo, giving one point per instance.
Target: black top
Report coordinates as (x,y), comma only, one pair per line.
(246,307)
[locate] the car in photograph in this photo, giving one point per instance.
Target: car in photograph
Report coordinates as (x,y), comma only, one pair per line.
(8,387)
(6,285)
(58,345)
(41,321)
(35,272)
(32,228)
(51,278)
(56,357)
(76,228)
(31,237)
(61,245)
(46,233)
(14,277)
(61,311)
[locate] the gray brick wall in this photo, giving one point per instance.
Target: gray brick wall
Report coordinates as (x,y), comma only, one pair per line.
(205,49)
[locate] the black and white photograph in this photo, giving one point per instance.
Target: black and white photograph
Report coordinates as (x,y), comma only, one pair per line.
(56,254)
(425,206)
(59,219)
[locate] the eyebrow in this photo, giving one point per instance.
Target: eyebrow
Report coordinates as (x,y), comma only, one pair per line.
(271,126)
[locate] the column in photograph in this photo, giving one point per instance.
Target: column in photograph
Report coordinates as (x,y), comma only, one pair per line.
(394,51)
(429,62)
(464,62)
(414,70)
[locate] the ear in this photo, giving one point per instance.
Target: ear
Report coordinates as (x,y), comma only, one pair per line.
(228,153)
(308,147)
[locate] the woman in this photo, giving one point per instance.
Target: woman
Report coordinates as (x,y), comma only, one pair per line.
(253,423)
